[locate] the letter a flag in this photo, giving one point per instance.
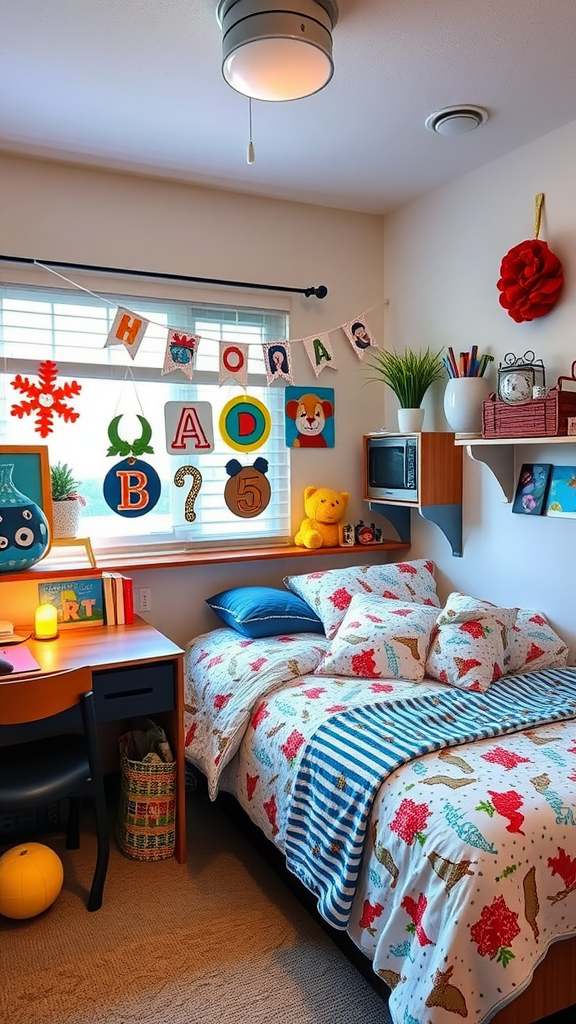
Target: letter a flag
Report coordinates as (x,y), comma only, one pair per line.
(128,329)
(319,352)
(233,363)
(180,352)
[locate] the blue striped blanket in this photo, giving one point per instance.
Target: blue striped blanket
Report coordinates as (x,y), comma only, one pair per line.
(351,754)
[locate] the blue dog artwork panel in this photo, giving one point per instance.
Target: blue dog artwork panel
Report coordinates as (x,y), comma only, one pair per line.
(309,417)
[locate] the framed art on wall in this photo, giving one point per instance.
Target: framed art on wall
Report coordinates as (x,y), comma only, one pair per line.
(561,500)
(532,488)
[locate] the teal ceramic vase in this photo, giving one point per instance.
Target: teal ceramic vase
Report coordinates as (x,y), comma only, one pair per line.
(24,533)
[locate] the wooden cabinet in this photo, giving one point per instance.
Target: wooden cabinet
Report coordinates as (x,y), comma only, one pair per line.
(438,487)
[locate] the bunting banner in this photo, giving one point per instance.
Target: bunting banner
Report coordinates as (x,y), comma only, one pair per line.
(278,361)
(319,352)
(180,352)
(128,329)
(359,335)
(233,363)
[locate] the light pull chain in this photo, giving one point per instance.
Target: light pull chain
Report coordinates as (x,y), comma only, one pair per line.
(250,155)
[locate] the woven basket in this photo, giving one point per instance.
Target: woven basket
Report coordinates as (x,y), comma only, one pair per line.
(146,823)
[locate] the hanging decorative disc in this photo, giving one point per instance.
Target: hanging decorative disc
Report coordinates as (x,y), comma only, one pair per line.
(132,488)
(245,423)
(139,446)
(247,492)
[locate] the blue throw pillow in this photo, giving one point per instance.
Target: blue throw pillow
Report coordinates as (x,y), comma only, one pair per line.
(264,611)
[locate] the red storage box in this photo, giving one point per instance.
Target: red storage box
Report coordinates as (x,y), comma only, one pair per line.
(540,417)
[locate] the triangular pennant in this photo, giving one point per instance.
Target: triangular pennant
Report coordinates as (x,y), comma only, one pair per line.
(359,335)
(319,352)
(128,329)
(233,363)
(278,361)
(180,352)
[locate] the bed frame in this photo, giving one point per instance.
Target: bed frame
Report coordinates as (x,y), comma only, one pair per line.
(553,987)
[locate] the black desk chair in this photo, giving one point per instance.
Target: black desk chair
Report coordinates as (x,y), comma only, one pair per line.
(62,764)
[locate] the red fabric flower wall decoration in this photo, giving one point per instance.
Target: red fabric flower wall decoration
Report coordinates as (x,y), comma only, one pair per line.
(531,277)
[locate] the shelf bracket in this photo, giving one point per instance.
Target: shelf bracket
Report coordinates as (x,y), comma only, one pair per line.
(447,518)
(398,515)
(500,461)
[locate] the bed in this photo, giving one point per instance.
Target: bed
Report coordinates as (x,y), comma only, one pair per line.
(415,765)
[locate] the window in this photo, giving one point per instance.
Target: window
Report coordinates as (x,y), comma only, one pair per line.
(71,329)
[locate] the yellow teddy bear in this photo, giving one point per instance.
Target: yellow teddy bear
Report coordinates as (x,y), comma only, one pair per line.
(324,509)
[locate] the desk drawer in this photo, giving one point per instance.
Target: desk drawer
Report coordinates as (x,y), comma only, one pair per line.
(137,690)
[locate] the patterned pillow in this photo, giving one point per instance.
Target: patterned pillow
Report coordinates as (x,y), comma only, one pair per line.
(463,608)
(469,654)
(380,638)
(330,592)
(534,644)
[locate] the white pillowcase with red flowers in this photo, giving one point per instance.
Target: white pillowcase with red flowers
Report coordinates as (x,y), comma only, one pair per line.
(380,638)
(534,644)
(330,592)
(470,643)
(476,642)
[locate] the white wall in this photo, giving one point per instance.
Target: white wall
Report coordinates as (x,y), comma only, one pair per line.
(57,212)
(442,258)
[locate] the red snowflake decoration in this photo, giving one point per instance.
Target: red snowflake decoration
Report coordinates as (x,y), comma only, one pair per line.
(46,400)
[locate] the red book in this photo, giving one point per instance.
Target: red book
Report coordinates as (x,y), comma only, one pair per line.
(128,591)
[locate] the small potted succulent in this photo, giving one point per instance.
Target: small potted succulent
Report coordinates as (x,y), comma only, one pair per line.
(409,374)
(66,500)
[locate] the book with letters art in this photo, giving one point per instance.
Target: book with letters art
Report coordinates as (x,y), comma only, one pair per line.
(77,602)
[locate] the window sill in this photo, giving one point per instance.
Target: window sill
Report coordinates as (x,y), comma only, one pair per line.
(126,563)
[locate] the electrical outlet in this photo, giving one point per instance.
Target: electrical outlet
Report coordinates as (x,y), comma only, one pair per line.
(145,597)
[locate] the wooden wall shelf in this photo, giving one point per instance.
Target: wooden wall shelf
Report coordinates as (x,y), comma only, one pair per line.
(127,564)
(498,454)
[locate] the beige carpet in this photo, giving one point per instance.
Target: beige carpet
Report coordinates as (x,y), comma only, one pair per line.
(219,940)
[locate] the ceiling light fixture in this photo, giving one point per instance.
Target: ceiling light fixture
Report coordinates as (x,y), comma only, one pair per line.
(280,51)
(456,120)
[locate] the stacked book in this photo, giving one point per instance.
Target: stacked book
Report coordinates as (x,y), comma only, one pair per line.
(118,599)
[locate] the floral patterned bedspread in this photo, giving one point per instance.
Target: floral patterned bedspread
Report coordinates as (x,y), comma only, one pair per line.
(469,869)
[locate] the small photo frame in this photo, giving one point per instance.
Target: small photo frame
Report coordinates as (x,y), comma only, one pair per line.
(31,475)
(532,488)
(561,498)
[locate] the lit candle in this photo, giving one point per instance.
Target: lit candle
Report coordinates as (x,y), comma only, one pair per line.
(45,622)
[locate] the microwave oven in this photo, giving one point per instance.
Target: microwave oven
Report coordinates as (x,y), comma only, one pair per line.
(391,467)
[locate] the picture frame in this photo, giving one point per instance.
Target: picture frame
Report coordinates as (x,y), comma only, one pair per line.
(78,601)
(31,476)
(309,417)
(561,497)
(532,488)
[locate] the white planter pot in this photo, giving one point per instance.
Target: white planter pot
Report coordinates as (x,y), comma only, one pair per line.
(410,420)
(463,399)
(66,517)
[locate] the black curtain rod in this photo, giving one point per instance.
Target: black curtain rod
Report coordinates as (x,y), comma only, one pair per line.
(320,292)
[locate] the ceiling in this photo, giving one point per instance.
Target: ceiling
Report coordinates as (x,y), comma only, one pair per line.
(135,85)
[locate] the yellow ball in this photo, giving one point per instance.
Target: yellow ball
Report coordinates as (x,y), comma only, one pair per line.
(31,877)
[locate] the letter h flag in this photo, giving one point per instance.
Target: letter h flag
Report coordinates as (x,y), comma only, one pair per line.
(128,330)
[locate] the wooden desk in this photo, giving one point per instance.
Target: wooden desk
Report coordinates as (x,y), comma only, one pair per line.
(136,671)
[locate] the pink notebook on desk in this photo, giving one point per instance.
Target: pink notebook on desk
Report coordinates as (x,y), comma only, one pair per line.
(21,658)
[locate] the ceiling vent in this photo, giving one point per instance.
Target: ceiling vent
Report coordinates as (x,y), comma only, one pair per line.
(456,120)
